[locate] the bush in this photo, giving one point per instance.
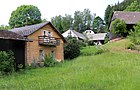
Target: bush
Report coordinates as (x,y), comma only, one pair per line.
(82,44)
(71,49)
(49,61)
(34,64)
(88,51)
(6,62)
(131,46)
(90,43)
(135,34)
(118,27)
(100,51)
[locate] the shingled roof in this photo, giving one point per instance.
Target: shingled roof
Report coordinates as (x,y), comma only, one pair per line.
(75,34)
(5,34)
(128,17)
(28,30)
(98,36)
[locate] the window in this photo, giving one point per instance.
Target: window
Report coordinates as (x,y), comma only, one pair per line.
(50,34)
(44,33)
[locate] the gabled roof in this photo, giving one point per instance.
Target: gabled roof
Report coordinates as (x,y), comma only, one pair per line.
(98,36)
(74,34)
(28,30)
(5,34)
(128,17)
(79,34)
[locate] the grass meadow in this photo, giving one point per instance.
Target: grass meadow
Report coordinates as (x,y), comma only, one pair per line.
(117,69)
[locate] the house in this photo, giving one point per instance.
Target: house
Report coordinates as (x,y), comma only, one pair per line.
(99,37)
(45,38)
(73,33)
(130,18)
(88,32)
(15,43)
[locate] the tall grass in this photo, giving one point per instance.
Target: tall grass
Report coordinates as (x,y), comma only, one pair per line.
(107,71)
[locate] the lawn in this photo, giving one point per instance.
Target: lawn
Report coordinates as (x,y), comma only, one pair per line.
(117,69)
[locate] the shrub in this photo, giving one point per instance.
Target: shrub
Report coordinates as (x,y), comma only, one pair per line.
(118,27)
(82,44)
(28,66)
(49,61)
(20,68)
(71,49)
(106,39)
(6,62)
(93,51)
(99,51)
(91,43)
(34,64)
(135,34)
(131,46)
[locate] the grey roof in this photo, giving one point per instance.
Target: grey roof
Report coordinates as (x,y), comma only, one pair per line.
(98,36)
(79,34)
(128,17)
(5,34)
(28,30)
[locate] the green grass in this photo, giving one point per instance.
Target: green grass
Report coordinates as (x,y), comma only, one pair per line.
(117,69)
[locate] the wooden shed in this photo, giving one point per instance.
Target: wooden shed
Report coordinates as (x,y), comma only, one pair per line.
(14,42)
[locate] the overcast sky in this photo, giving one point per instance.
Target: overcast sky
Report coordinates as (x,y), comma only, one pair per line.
(51,8)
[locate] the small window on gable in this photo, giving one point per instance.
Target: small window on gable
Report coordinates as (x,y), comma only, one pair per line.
(44,33)
(50,34)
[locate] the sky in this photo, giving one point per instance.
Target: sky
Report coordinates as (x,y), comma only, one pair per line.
(51,8)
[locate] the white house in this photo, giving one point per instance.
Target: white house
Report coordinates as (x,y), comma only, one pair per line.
(73,33)
(99,37)
(88,32)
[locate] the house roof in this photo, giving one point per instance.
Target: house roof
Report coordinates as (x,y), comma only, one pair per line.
(99,36)
(28,30)
(5,34)
(79,34)
(128,17)
(76,34)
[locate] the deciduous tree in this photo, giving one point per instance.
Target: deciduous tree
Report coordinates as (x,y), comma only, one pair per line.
(135,6)
(67,22)
(118,27)
(25,15)
(57,22)
(98,24)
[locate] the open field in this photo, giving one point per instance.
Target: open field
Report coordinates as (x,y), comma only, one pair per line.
(117,69)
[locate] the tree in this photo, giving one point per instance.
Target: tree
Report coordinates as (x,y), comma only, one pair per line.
(108,12)
(135,34)
(25,15)
(87,18)
(78,17)
(6,62)
(135,6)
(118,27)
(98,24)
(67,22)
(4,27)
(57,22)
(71,48)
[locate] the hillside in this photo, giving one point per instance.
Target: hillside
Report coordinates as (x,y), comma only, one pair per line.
(116,69)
